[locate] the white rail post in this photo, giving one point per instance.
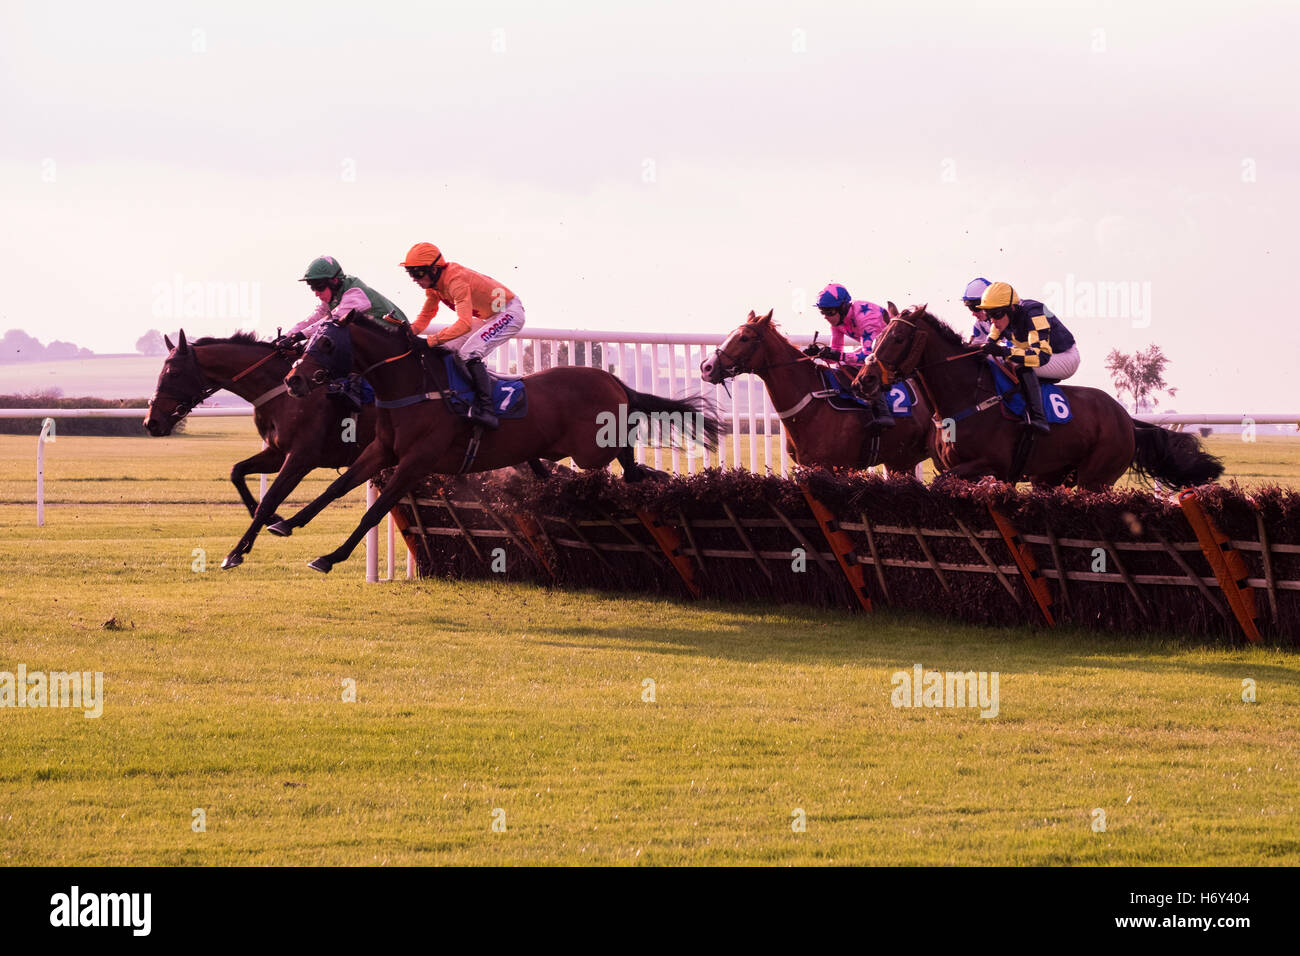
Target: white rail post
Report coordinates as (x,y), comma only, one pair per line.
(47,434)
(392,547)
(372,538)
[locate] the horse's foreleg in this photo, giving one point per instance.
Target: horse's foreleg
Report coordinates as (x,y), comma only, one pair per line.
(375,458)
(295,468)
(403,479)
(266,462)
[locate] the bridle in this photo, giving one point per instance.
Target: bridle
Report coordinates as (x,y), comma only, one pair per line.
(910,367)
(336,372)
(732,369)
(186,405)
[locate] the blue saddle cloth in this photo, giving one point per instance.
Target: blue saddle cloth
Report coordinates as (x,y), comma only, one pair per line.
(1055,405)
(901,398)
(509,400)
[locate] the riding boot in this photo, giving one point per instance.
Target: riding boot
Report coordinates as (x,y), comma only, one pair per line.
(883,415)
(481,411)
(1034,399)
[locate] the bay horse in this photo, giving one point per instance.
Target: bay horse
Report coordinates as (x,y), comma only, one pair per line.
(1098,445)
(816,434)
(299,435)
(418,435)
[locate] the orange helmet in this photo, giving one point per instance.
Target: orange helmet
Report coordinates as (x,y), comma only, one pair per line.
(422,254)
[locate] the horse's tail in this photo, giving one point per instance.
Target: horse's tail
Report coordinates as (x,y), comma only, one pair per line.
(1174,458)
(692,418)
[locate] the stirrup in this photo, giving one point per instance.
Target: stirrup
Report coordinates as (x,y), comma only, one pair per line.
(484,417)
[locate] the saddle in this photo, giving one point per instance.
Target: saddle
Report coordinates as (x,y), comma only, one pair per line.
(1005,382)
(446,372)
(839,393)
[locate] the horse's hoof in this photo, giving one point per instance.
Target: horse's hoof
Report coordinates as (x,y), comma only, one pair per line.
(281,529)
(323,565)
(274,519)
(232,561)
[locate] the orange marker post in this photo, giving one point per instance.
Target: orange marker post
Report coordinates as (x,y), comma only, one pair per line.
(842,545)
(1019,549)
(1226,561)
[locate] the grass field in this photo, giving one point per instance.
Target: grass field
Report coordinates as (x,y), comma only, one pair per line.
(479,703)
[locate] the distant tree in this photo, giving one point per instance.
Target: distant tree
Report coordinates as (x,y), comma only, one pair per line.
(65,350)
(18,346)
(151,343)
(1140,375)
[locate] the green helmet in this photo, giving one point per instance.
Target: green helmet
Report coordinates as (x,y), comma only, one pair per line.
(324,267)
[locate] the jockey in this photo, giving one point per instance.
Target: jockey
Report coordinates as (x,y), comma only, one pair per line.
(971,299)
(339,294)
(487,315)
(1039,343)
(861,321)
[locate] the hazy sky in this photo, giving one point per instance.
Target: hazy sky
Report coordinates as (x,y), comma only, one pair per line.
(665,165)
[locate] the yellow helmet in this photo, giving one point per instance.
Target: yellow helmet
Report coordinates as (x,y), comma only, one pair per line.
(999,295)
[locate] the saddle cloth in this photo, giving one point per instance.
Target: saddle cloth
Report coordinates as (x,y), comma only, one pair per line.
(901,397)
(1055,405)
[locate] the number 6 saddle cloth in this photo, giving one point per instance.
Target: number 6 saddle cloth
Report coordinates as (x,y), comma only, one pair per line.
(1055,405)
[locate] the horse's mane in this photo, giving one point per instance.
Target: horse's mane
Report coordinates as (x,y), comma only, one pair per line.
(389,327)
(239,338)
(942,329)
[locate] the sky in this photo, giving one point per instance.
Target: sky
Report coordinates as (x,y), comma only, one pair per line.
(665,166)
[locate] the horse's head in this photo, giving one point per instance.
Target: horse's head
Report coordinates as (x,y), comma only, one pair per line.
(897,351)
(741,350)
(328,357)
(181,386)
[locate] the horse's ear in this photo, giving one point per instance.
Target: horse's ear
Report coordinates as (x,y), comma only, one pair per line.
(893,309)
(168,342)
(767,318)
(920,309)
(752,316)
(181,346)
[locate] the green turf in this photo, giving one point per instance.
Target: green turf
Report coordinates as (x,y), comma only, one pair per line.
(224,692)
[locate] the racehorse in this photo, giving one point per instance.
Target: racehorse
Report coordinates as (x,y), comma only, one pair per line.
(1093,450)
(323,432)
(816,434)
(568,413)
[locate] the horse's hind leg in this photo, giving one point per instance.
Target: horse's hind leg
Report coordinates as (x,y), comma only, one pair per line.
(404,478)
(632,472)
(376,457)
(266,462)
(292,472)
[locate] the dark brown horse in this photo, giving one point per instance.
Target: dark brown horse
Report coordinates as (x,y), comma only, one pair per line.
(570,411)
(324,432)
(1099,444)
(816,434)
